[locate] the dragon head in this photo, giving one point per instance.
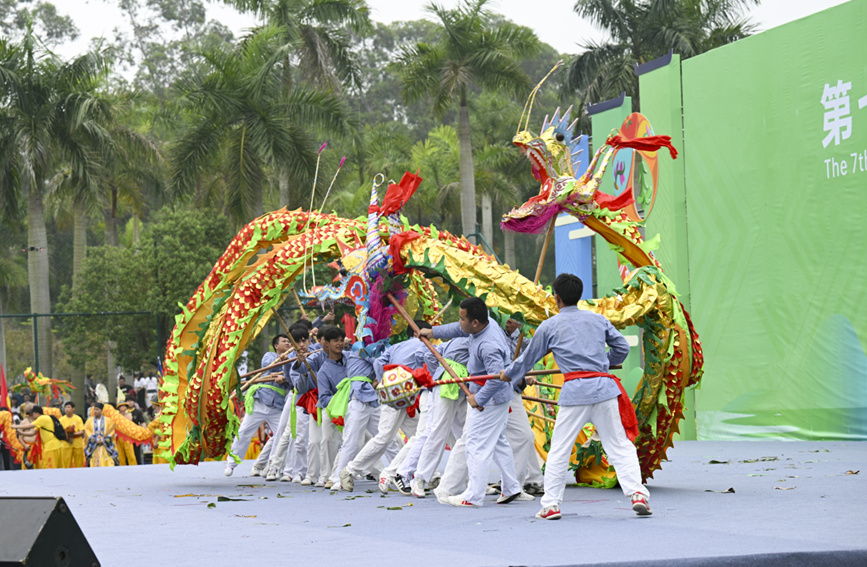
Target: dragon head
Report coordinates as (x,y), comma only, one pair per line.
(555,152)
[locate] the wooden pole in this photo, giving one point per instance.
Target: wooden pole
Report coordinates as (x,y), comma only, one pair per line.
(537,278)
(541,400)
(434,351)
(441,311)
(300,306)
(491,377)
(294,344)
(263,369)
(531,415)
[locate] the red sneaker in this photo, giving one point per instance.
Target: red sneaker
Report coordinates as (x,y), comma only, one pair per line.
(549,513)
(640,505)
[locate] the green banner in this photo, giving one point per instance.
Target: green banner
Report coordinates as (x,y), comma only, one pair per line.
(775,168)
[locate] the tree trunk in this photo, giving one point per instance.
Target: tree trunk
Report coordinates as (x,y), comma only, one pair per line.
(468,180)
(79,241)
(3,338)
(110,215)
(509,248)
(488,221)
(136,230)
(258,207)
(284,188)
(79,250)
(111,370)
(37,272)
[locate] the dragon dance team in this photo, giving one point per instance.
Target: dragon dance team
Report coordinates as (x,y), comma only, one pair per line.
(330,428)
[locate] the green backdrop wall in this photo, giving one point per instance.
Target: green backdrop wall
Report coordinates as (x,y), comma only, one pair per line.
(764,224)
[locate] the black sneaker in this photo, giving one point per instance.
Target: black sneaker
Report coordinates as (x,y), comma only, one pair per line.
(402,487)
(534,489)
(371,477)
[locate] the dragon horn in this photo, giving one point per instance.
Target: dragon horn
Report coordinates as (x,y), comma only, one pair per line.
(528,106)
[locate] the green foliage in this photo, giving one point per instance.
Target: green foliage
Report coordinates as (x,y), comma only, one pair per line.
(53,27)
(643,30)
(173,257)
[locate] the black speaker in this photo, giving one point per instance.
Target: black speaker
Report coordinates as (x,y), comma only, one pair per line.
(42,531)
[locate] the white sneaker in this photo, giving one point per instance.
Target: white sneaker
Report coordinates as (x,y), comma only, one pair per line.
(492,489)
(272,474)
(417,487)
(307,482)
(347,480)
(328,484)
(228,470)
(384,482)
(320,484)
(519,497)
(435,481)
(442,496)
(459,502)
(286,478)
(255,471)
(298,480)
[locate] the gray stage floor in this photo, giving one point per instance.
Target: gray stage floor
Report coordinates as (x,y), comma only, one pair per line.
(795,500)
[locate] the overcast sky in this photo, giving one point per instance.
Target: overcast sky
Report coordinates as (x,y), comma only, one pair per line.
(553,20)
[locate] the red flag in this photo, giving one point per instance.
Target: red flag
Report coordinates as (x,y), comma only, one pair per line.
(4,391)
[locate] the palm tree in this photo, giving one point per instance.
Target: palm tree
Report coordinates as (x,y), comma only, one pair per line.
(49,114)
(316,37)
(243,126)
(643,30)
(472,50)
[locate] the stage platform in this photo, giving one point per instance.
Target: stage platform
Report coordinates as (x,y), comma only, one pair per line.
(714,503)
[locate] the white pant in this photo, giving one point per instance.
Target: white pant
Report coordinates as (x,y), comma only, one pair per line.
(444,416)
(390,421)
(605,416)
(328,447)
(249,426)
(485,440)
(314,449)
(360,417)
(523,443)
(296,461)
(408,454)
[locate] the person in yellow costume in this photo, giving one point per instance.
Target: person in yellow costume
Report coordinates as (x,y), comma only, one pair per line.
(100,451)
(47,446)
(72,450)
(154,427)
(125,450)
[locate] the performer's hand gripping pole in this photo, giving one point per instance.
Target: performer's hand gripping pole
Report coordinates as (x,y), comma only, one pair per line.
(434,351)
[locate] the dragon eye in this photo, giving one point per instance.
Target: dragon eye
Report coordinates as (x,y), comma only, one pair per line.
(559,136)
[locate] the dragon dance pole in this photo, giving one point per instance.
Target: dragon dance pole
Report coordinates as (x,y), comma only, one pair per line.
(491,377)
(291,338)
(541,400)
(538,277)
(300,306)
(264,368)
(426,342)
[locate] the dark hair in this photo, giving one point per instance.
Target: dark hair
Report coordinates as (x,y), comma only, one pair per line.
(99,405)
(277,338)
(37,409)
(421,324)
(331,332)
(569,287)
(69,404)
(304,323)
(299,332)
(119,378)
(476,309)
